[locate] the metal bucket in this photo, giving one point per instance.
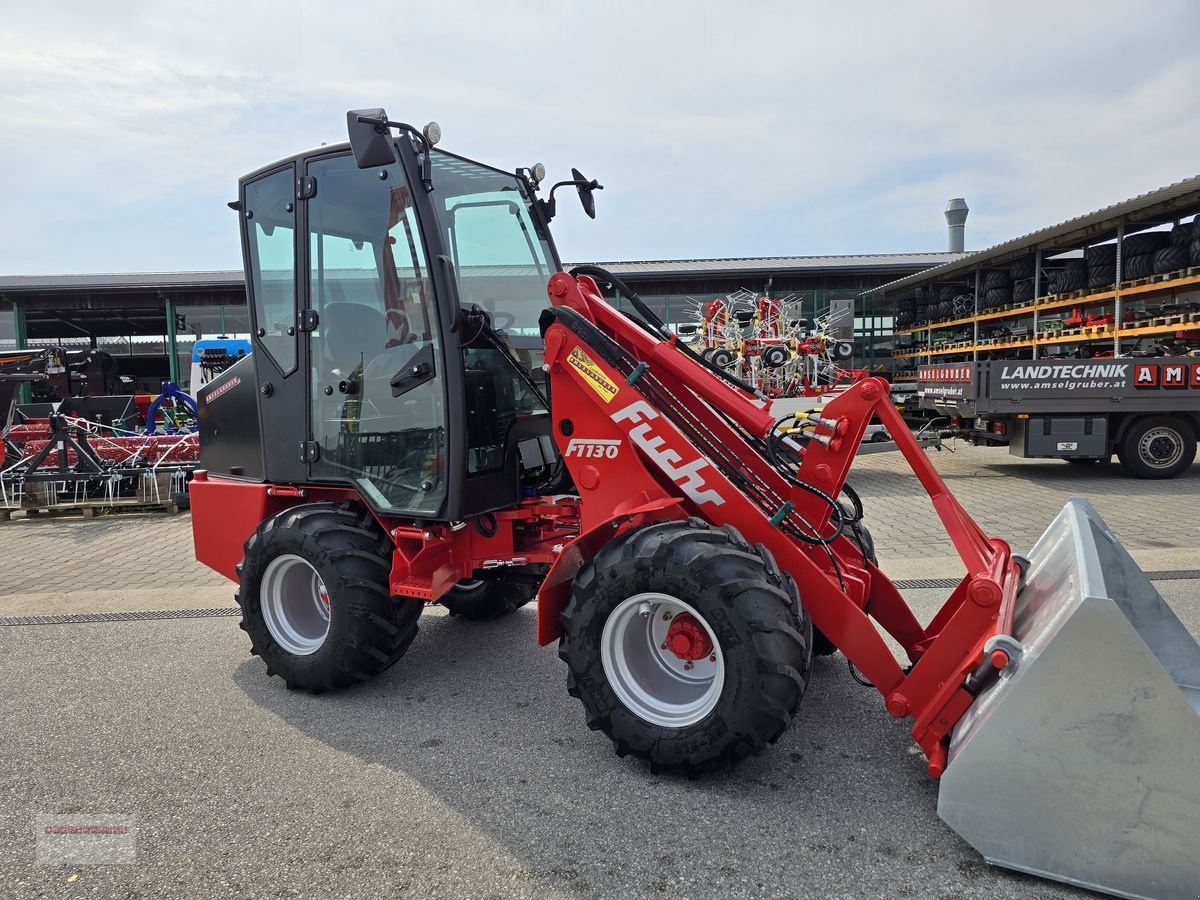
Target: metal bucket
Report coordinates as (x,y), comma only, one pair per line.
(1081,762)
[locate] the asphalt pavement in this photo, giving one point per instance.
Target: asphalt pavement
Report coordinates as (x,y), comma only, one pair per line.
(466,770)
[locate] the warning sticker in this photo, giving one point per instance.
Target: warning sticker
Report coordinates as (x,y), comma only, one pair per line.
(592,374)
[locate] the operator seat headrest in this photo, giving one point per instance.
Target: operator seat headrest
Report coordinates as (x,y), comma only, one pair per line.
(352,332)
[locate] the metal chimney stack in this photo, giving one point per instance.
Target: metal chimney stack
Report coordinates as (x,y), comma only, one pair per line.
(956,223)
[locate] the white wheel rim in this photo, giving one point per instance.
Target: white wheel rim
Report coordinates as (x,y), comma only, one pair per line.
(649,679)
(1161,448)
(295,604)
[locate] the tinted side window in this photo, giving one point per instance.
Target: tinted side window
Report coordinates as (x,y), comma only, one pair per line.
(270,224)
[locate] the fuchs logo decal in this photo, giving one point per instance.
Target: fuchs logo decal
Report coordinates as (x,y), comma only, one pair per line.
(687,476)
(593,448)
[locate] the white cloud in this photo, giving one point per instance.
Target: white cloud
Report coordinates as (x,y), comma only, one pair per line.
(719,129)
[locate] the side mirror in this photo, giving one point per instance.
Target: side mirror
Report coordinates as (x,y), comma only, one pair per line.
(586,195)
(369,138)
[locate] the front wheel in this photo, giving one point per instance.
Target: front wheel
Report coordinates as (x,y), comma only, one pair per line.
(315,601)
(1157,447)
(685,646)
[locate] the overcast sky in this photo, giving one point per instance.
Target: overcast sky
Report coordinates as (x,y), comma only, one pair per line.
(718,129)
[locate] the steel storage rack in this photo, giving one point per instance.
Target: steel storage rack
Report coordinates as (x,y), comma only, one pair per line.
(1119,283)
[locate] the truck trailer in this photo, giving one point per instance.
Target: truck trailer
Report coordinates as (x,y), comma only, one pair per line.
(1146,411)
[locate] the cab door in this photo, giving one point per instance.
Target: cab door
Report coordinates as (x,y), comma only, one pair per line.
(377,388)
(270,249)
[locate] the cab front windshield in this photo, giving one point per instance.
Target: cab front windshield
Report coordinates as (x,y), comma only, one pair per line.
(502,260)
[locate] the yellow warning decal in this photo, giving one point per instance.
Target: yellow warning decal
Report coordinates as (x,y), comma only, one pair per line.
(592,374)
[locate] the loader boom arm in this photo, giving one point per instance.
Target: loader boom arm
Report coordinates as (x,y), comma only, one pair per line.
(687,443)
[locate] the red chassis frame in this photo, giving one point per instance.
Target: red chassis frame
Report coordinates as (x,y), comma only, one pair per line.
(656,472)
(428,560)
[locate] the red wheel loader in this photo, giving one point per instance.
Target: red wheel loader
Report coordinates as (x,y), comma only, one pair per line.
(418,425)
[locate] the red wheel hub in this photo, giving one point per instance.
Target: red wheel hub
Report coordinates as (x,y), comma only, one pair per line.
(687,639)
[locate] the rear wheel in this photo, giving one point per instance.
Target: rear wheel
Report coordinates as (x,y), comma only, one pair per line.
(686,646)
(1157,447)
(493,595)
(315,600)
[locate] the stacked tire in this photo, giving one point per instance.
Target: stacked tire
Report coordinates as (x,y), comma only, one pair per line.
(1022,268)
(1101,263)
(1138,252)
(1176,255)
(1073,276)
(1194,259)
(997,289)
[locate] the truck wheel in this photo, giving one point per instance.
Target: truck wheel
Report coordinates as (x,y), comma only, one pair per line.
(1157,447)
(686,646)
(315,599)
(493,596)
(823,646)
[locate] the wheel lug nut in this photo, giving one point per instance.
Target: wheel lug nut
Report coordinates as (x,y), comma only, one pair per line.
(712,658)
(663,645)
(686,666)
(666,616)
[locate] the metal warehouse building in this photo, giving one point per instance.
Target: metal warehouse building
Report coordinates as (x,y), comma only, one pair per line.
(149,321)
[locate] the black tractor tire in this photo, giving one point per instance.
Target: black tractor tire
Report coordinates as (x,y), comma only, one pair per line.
(861,536)
(369,630)
(1145,244)
(1020,269)
(996,279)
(1171,259)
(1183,234)
(1157,447)
(1195,254)
(1100,254)
(1022,290)
(495,594)
(1137,267)
(997,297)
(1102,275)
(748,605)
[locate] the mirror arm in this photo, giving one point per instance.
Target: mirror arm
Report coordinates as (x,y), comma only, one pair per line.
(382,125)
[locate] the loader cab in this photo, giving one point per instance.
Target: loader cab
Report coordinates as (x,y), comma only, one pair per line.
(395,328)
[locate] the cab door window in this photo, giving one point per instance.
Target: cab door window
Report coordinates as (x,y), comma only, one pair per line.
(378,410)
(269,218)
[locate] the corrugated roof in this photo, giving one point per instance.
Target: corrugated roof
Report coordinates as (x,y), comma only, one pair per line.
(876,262)
(116,281)
(1175,201)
